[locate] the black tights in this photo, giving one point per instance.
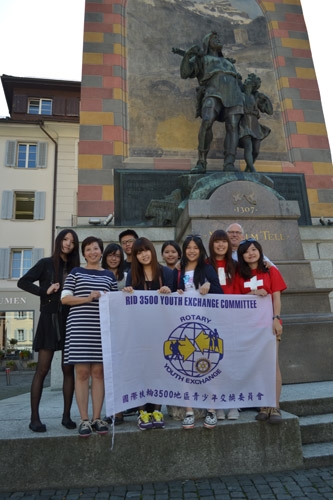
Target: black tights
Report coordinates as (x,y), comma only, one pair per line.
(43,367)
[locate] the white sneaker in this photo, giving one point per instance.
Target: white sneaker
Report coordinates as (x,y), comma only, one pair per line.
(220,415)
(188,422)
(233,414)
(210,420)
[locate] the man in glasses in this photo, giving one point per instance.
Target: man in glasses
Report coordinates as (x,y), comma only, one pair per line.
(236,234)
(126,240)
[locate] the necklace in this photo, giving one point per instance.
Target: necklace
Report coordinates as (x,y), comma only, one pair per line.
(148,281)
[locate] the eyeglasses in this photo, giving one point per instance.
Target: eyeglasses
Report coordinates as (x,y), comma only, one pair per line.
(249,240)
(234,232)
(127,242)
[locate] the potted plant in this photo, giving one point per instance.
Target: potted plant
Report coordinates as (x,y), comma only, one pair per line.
(25,354)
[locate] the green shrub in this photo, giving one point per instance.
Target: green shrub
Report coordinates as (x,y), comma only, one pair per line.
(11,365)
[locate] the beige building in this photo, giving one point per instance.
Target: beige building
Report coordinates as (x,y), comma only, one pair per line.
(38,189)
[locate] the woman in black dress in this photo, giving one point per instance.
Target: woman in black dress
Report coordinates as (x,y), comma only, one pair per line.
(51,272)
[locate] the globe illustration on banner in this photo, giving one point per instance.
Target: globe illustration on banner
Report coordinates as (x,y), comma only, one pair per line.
(193,349)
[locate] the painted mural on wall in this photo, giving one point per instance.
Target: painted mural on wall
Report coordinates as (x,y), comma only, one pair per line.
(161,105)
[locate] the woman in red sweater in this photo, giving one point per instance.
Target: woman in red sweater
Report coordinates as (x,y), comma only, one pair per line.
(254,278)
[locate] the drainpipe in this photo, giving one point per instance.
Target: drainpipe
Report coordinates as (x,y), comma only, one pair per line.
(55,174)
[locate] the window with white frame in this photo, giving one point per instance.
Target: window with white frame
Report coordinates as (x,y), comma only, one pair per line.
(22,154)
(21,314)
(21,262)
(14,262)
(20,335)
(39,106)
(23,205)
(27,155)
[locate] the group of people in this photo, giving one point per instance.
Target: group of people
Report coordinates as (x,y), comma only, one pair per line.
(69,310)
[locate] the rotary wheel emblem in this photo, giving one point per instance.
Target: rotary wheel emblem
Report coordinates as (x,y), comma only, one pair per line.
(202,365)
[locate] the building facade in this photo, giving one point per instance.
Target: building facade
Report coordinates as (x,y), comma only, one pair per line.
(38,191)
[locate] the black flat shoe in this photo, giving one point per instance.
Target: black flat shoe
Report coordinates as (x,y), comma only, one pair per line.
(37,427)
(68,423)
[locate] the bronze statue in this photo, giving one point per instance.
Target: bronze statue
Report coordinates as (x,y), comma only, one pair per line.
(251,132)
(219,97)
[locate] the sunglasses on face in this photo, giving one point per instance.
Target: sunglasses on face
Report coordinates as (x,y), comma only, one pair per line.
(249,240)
(193,236)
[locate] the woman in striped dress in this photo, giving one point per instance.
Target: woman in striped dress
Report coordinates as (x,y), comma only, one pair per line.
(83,347)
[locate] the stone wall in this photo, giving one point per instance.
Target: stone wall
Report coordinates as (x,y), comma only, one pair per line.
(110,125)
(317,244)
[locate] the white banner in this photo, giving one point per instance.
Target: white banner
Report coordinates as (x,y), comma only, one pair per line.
(212,351)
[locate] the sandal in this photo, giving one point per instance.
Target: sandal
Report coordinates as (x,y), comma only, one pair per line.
(118,420)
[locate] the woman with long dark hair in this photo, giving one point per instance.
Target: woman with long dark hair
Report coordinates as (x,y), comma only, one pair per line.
(147,274)
(255,278)
(196,274)
(113,260)
(51,272)
(220,258)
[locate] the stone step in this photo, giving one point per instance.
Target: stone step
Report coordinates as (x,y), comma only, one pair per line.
(307,399)
(316,428)
(317,455)
(59,458)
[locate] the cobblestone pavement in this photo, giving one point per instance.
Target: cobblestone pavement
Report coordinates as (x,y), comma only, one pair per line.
(311,484)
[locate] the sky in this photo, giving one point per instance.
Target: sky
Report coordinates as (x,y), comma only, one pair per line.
(30,45)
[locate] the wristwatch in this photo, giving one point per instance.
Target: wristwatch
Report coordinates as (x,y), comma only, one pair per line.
(277,316)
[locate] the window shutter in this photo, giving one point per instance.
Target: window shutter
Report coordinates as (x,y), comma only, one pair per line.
(42,154)
(10,160)
(37,254)
(73,106)
(58,107)
(7,205)
(39,206)
(4,263)
(20,104)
